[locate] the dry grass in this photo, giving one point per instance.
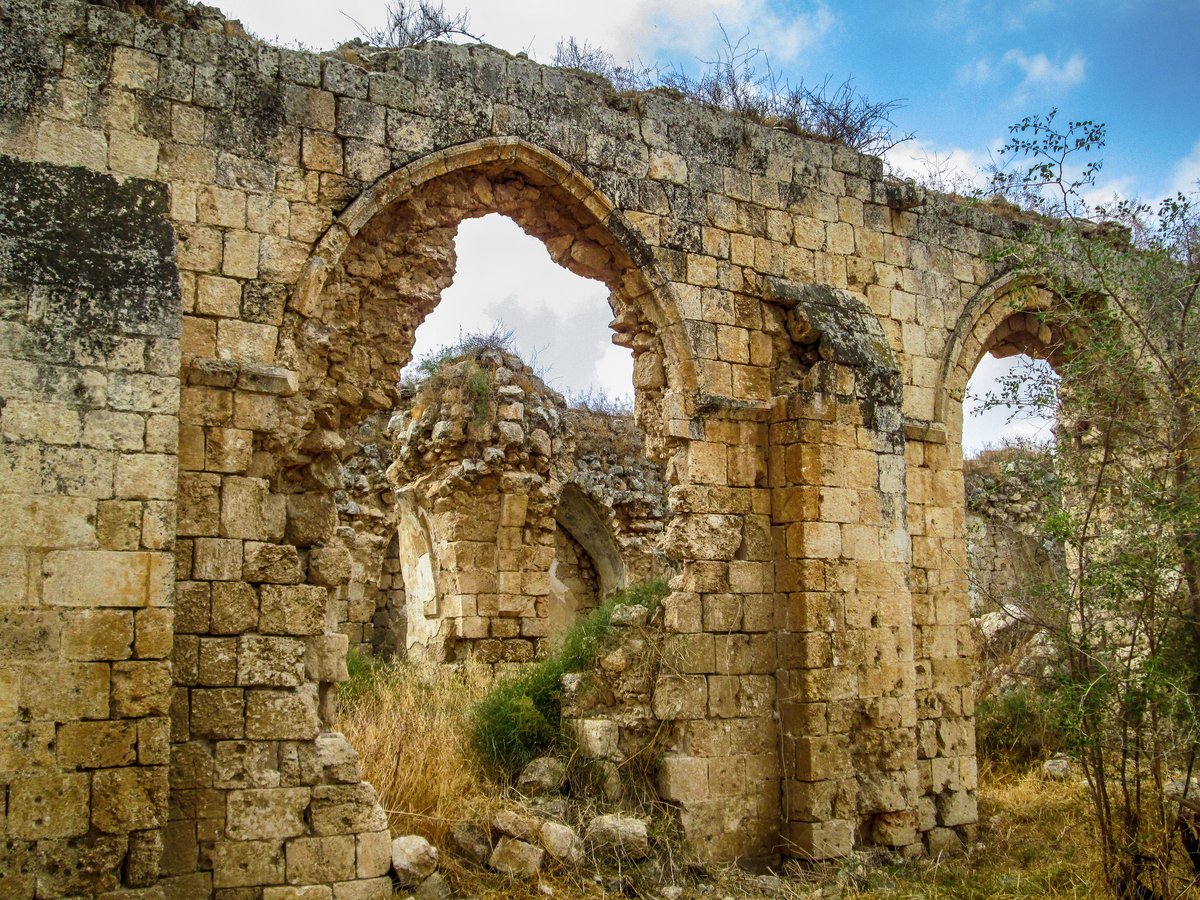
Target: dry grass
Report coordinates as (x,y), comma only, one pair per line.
(409,724)
(1035,840)
(411,727)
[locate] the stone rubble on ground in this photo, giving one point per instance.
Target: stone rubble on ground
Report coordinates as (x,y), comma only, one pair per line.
(516,857)
(621,836)
(413,859)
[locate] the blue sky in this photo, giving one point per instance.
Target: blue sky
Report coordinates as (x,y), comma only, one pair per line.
(964,69)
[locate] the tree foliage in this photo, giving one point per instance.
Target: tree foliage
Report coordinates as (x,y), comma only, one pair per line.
(1125,613)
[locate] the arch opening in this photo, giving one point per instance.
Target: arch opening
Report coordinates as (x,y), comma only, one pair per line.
(461,478)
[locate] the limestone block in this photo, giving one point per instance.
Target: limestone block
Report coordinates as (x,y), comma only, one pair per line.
(413,858)
(562,843)
(329,566)
(940,841)
(373,854)
(246,863)
(255,814)
(620,836)
(66,692)
(234,608)
(957,807)
(367,889)
(27,750)
(680,697)
(282,715)
(53,522)
(346,809)
(94,634)
(325,658)
(228,449)
(597,738)
(311,519)
(293,892)
(513,824)
(338,759)
(141,689)
(217,713)
(292,609)
(822,840)
(264,661)
(114,578)
(244,512)
(129,799)
(153,633)
(245,764)
(517,858)
(318,860)
(199,503)
(146,476)
(48,806)
(97,745)
(271,563)
(682,778)
(714,537)
(217,559)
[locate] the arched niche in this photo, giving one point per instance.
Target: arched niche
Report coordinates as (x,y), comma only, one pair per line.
(585,522)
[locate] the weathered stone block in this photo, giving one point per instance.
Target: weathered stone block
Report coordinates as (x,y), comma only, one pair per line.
(319,860)
(292,609)
(48,806)
(266,813)
(282,715)
(247,863)
(128,799)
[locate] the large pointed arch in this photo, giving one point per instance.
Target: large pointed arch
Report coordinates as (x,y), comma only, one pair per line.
(642,294)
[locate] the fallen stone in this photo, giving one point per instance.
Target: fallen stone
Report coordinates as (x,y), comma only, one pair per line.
(619,835)
(631,614)
(513,857)
(472,842)
(433,888)
(1057,768)
(545,775)
(413,858)
(513,824)
(562,843)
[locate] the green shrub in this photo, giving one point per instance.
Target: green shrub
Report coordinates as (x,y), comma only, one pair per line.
(520,718)
(1018,727)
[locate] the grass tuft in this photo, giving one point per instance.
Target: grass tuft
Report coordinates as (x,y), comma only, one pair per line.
(521,717)
(410,725)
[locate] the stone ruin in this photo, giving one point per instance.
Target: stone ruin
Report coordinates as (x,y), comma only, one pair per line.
(506,513)
(213,256)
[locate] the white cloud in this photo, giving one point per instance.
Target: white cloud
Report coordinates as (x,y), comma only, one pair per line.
(1185,177)
(984,428)
(683,29)
(978,71)
(942,168)
(1041,74)
(505,279)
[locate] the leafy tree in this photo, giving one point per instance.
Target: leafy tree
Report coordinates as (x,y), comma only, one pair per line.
(1125,615)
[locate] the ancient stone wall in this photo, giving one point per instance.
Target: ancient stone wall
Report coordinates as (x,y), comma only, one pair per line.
(216,254)
(1009,493)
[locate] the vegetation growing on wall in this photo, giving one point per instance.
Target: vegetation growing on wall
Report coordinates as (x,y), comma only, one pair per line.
(740,80)
(520,717)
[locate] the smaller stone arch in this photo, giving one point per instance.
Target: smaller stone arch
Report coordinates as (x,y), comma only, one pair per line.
(1006,318)
(588,526)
